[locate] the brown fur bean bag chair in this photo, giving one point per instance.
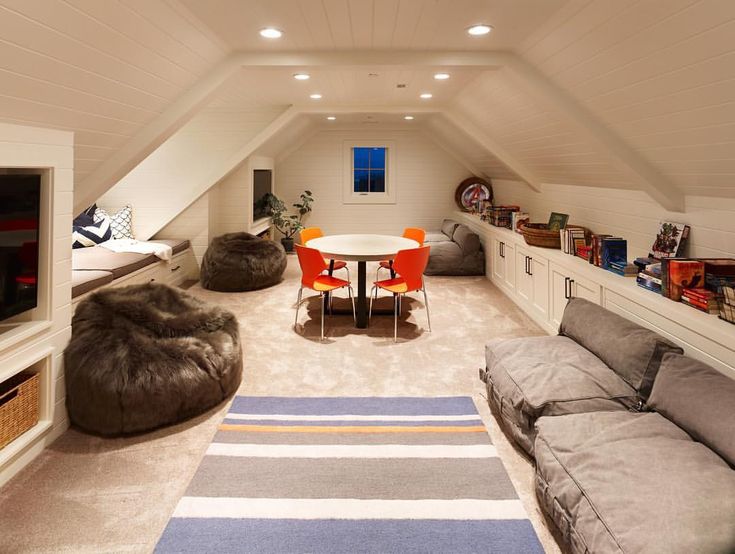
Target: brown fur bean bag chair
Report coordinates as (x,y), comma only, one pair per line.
(237,262)
(145,356)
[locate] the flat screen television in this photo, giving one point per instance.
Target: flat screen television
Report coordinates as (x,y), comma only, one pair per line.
(262,183)
(20,207)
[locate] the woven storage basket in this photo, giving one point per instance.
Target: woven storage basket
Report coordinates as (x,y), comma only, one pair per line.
(537,234)
(18,406)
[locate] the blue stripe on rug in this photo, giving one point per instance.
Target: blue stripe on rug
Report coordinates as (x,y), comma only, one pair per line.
(447,405)
(343,423)
(329,535)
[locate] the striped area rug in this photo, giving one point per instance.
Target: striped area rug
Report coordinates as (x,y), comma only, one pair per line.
(350,475)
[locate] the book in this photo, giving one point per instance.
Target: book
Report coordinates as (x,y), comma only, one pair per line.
(614,254)
(670,240)
(557,221)
(596,257)
(518,219)
(684,274)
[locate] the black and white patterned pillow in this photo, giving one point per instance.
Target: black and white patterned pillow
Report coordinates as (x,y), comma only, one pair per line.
(90,232)
(121,222)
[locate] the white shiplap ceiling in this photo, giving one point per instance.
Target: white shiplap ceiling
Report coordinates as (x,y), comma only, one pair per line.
(629,94)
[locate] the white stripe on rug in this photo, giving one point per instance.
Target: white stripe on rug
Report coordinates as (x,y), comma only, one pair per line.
(348,508)
(351,450)
(282,417)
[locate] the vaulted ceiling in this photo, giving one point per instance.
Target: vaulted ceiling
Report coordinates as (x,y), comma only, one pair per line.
(628,94)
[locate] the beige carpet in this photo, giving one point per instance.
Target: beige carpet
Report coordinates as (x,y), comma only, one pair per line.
(86,494)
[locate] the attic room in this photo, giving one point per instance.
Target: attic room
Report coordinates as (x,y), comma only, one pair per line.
(367,276)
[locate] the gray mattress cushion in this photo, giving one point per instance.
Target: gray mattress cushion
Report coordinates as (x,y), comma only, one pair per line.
(448,227)
(84,281)
(443,257)
(630,350)
(550,376)
(468,241)
(117,263)
(634,483)
(700,400)
(177,245)
(436,237)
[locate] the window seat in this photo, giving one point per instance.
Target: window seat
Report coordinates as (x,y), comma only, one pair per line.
(96,267)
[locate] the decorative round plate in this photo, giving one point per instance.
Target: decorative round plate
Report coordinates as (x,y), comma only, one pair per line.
(471,191)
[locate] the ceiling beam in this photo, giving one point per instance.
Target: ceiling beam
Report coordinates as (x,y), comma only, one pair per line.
(353,58)
(492,146)
(650,179)
(141,145)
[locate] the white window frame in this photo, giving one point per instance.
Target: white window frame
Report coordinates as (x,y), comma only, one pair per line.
(349,196)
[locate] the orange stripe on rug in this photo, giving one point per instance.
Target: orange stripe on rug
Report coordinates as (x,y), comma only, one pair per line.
(348,429)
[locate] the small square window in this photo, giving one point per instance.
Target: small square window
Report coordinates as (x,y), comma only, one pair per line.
(369,172)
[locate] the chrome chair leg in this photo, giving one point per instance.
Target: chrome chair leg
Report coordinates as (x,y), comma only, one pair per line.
(395,318)
(321,294)
(352,297)
(426,303)
(370,310)
(298,304)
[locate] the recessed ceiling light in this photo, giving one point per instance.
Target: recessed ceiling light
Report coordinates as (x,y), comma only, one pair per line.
(271,32)
(479,30)
(331,118)
(315,96)
(441,76)
(301,76)
(408,117)
(426,95)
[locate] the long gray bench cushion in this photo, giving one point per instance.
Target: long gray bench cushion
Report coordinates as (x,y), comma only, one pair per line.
(117,263)
(448,227)
(84,281)
(549,376)
(177,245)
(632,351)
(436,237)
(634,483)
(700,400)
(467,240)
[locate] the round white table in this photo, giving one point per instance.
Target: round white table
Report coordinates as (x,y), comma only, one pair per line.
(361,249)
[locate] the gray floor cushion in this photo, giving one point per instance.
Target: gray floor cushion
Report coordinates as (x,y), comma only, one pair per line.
(433,237)
(237,262)
(548,376)
(149,355)
(621,482)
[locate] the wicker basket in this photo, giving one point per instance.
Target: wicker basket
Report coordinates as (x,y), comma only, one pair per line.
(18,406)
(538,234)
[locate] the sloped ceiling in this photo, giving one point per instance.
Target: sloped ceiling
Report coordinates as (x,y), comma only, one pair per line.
(625,94)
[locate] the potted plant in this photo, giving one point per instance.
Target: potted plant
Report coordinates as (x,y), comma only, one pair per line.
(288,224)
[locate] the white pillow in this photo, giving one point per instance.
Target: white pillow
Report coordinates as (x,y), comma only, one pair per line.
(121,223)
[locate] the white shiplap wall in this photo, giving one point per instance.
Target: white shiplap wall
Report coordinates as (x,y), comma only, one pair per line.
(427,176)
(192,224)
(186,166)
(22,146)
(630,214)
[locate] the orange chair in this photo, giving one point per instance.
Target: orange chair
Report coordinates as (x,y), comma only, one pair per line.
(309,233)
(413,233)
(312,267)
(409,266)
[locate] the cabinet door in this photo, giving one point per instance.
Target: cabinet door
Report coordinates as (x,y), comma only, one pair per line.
(509,254)
(498,261)
(524,278)
(558,297)
(540,278)
(582,288)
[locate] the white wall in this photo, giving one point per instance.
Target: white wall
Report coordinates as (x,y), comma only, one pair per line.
(426,177)
(31,147)
(186,166)
(192,224)
(630,214)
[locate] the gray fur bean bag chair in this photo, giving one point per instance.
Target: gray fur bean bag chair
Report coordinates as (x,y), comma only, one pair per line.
(237,262)
(145,356)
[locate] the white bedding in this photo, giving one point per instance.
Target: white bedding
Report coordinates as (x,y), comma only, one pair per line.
(163,251)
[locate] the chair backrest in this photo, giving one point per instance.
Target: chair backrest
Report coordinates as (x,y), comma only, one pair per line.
(312,264)
(410,265)
(309,233)
(415,233)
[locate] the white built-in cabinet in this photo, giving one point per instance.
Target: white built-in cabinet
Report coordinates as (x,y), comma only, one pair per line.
(542,280)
